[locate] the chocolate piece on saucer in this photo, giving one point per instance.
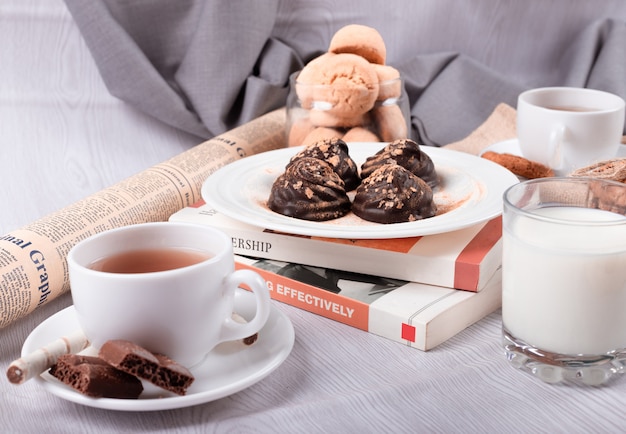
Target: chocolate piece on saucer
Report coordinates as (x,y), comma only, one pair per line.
(158,369)
(94,377)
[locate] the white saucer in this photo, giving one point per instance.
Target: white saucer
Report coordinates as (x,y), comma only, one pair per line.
(229,368)
(512,147)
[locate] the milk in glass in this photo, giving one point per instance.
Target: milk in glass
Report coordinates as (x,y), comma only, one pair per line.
(564,284)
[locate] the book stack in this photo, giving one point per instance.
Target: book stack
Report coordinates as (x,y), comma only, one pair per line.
(419,291)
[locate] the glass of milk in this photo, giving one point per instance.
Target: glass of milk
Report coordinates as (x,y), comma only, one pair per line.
(564,279)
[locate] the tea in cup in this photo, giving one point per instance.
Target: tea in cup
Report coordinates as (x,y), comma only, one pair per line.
(567,128)
(168,287)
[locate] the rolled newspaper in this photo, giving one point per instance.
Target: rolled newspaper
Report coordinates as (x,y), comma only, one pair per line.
(33,267)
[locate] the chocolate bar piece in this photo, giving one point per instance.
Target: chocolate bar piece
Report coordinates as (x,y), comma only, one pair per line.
(94,377)
(158,369)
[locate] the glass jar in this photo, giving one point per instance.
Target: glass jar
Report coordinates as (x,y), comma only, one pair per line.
(353,113)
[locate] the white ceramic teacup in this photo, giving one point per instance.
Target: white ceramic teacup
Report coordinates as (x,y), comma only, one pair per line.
(182,312)
(567,128)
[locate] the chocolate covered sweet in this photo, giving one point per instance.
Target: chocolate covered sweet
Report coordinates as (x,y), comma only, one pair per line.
(158,369)
(392,194)
(406,153)
(335,152)
(94,377)
(309,189)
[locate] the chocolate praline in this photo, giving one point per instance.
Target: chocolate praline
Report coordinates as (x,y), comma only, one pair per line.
(309,189)
(335,152)
(392,194)
(406,153)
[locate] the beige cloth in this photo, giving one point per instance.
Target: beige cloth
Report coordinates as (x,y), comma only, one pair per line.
(499,126)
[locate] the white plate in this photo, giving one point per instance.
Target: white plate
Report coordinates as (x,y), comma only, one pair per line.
(229,368)
(512,147)
(470,192)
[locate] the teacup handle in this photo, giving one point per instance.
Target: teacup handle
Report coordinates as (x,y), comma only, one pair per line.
(231,329)
(555,147)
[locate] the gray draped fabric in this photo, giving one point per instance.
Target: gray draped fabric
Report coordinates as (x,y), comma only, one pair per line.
(205,66)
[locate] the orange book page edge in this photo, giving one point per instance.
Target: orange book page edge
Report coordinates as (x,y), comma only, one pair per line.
(467,264)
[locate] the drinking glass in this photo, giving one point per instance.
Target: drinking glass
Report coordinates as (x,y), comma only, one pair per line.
(564,279)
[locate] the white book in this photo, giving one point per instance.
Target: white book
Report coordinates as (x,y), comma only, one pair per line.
(418,315)
(463,259)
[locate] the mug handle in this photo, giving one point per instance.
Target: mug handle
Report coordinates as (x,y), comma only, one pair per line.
(555,147)
(231,329)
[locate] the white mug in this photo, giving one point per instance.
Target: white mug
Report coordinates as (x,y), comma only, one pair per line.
(169,287)
(567,128)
